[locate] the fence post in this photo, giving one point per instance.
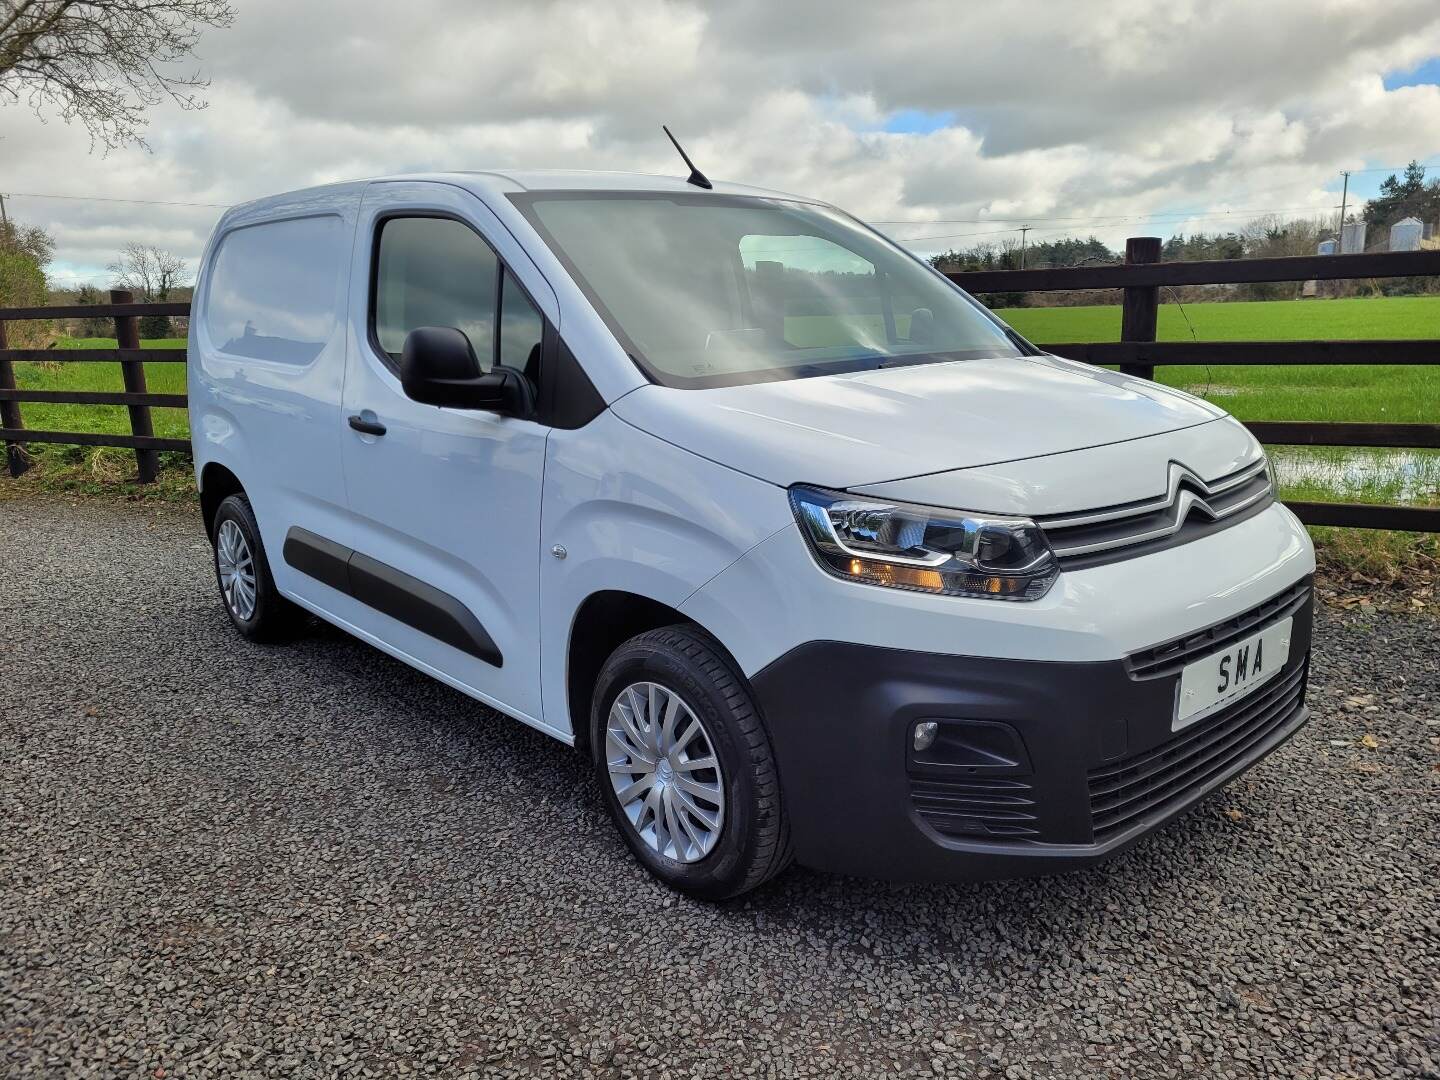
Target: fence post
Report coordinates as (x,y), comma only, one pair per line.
(15,455)
(1141,309)
(127,336)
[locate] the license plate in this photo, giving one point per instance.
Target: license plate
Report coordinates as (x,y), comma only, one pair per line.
(1225,677)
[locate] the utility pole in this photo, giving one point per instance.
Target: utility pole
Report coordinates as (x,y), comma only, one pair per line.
(1023,230)
(1344,192)
(4,221)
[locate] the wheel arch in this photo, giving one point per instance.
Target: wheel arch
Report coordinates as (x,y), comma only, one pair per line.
(217,483)
(604,621)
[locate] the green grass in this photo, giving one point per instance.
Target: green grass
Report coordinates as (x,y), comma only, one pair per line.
(1336,392)
(111,419)
(1269,320)
(1354,392)
(1341,392)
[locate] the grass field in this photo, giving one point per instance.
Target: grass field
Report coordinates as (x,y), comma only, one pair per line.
(1340,392)
(111,419)
(1352,392)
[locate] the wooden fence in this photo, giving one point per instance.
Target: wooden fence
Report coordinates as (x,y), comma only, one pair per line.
(1137,353)
(137,400)
(1142,276)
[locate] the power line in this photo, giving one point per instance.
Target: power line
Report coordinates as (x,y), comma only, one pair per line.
(1071,228)
(108,198)
(1398,168)
(1178,214)
(1120,219)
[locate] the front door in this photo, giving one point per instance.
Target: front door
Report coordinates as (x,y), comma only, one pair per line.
(445,503)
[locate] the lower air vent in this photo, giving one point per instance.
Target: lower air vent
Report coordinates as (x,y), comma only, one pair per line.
(1125,793)
(986,807)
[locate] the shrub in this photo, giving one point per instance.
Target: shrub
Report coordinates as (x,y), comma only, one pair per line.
(22,284)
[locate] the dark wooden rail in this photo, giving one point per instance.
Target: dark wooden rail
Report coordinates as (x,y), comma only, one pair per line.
(136,398)
(1142,276)
(1153,274)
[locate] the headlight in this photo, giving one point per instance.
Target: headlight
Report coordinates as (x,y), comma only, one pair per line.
(1273,475)
(925,549)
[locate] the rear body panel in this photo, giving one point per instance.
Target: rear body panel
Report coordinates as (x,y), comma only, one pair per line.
(260,405)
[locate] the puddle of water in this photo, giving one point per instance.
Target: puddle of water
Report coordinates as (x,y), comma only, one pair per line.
(1225,390)
(1379,475)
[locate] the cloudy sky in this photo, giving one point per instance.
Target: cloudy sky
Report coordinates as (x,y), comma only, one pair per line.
(947,122)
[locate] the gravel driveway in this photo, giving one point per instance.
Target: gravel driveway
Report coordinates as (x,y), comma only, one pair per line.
(218,859)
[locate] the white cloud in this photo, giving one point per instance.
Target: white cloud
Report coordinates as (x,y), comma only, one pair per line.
(1070,115)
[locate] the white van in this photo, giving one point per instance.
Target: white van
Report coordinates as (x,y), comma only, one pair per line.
(812,555)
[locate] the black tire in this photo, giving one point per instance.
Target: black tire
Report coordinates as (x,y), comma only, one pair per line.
(754,841)
(273,618)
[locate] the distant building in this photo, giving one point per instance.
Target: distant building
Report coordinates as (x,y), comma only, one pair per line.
(1352,238)
(1406,234)
(1328,247)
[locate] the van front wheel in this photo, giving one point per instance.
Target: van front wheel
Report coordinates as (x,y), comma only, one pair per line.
(685,765)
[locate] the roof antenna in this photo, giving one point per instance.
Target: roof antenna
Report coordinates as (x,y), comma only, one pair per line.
(696,177)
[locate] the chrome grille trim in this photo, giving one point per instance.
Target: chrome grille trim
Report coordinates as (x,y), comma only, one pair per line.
(1178,473)
(1074,535)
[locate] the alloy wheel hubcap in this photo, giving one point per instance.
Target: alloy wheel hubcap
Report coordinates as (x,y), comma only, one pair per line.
(237,570)
(665,772)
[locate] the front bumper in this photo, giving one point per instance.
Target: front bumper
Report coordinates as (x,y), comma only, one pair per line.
(1041,766)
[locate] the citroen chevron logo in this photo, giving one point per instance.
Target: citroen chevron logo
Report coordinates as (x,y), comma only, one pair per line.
(1183,493)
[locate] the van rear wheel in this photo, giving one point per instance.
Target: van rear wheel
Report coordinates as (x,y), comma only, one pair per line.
(685,765)
(242,572)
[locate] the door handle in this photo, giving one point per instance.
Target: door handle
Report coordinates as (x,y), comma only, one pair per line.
(368,427)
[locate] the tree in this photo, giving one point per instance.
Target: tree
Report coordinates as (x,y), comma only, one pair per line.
(25,251)
(103,62)
(1405,196)
(31,240)
(151,273)
(92,325)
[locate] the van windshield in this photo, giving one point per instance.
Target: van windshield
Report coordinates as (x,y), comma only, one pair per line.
(716,290)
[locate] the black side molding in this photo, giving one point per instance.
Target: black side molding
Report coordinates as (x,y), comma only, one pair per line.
(322,559)
(404,598)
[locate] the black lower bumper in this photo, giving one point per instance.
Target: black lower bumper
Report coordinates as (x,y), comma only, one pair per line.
(1038,767)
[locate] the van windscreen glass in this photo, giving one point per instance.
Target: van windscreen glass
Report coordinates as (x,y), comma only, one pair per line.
(716,290)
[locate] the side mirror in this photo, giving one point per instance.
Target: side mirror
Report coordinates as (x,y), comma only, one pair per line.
(438,367)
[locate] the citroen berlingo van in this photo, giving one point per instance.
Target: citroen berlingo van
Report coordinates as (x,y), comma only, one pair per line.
(812,555)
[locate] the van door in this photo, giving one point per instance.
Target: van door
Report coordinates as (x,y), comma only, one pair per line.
(445,502)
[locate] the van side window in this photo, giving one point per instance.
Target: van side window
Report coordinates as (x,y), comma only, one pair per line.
(435,272)
(522,329)
(273,289)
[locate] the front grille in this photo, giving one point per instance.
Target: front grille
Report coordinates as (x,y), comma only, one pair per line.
(1125,791)
(1189,508)
(988,807)
(1169,657)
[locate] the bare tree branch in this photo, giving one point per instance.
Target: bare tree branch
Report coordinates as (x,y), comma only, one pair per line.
(104,62)
(148,270)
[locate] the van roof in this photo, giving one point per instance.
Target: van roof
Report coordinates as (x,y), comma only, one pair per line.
(507,181)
